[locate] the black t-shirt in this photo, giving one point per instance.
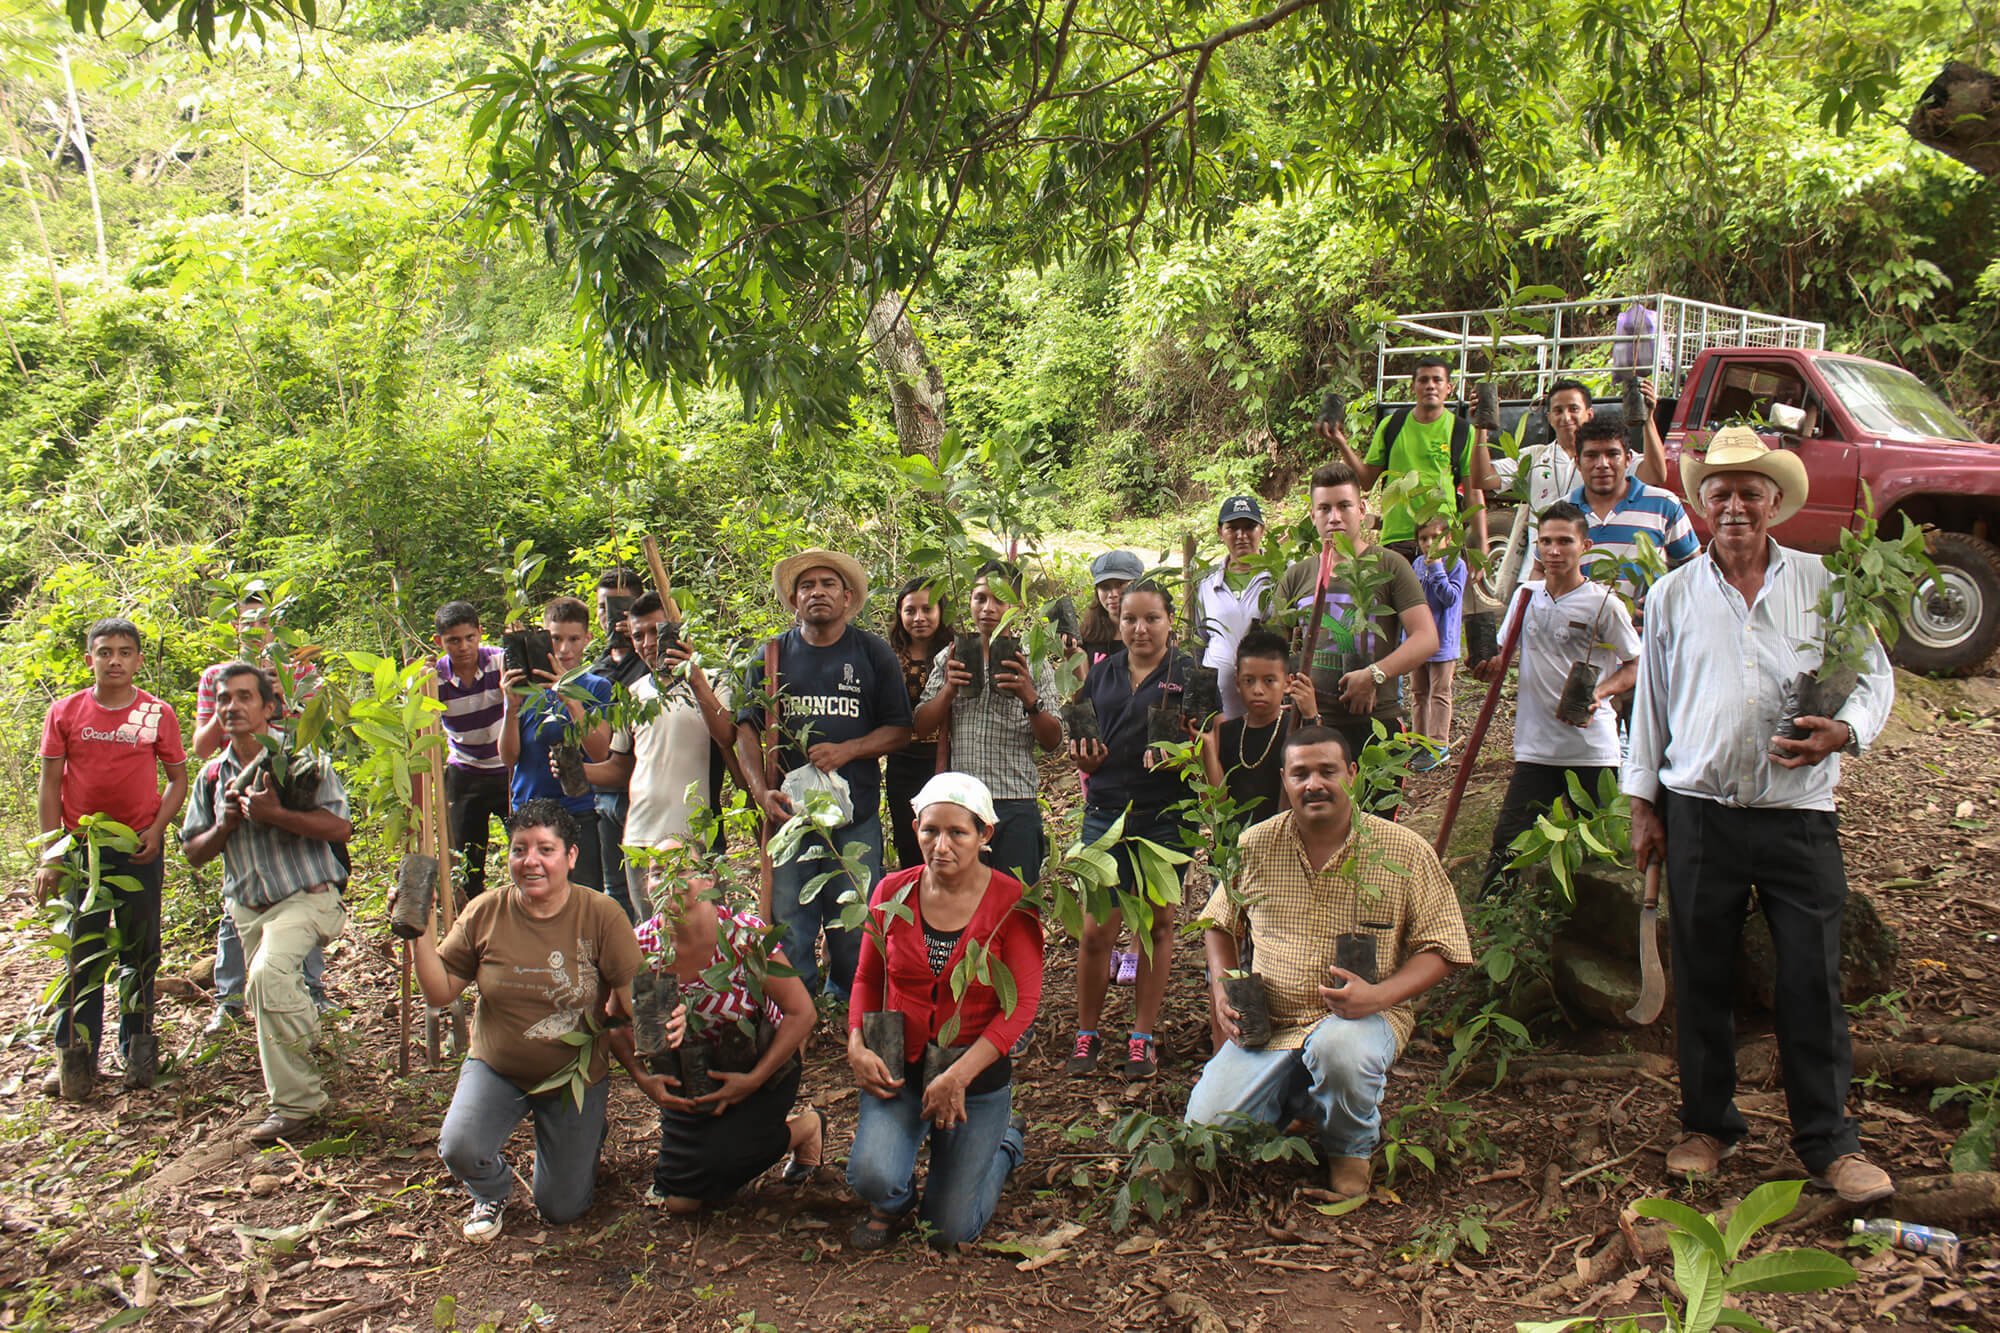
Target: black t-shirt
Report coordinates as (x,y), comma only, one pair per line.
(837,693)
(1253,767)
(1124,778)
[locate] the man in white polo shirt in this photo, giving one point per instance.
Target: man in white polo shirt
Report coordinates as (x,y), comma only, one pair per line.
(1230,598)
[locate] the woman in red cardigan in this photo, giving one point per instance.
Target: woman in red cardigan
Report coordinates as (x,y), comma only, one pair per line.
(952,905)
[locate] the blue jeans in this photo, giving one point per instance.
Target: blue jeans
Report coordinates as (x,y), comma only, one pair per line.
(969,1162)
(1018,847)
(612,807)
(135,919)
(484,1111)
(231,970)
(803,922)
(1336,1081)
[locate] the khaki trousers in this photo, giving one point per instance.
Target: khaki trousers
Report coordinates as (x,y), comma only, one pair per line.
(276,940)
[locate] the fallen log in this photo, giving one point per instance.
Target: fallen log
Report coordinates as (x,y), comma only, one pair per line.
(1972,1036)
(1947,1200)
(1908,1064)
(1626,1068)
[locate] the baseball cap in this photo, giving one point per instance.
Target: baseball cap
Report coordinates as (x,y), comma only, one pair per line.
(1240,506)
(1116,565)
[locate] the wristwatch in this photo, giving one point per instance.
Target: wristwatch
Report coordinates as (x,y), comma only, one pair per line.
(1377,674)
(1033,708)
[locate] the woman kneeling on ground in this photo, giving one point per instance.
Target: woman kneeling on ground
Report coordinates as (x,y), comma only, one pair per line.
(953,904)
(713,1145)
(551,958)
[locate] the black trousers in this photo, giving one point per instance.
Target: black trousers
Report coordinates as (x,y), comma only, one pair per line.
(473,799)
(1530,792)
(125,931)
(1715,855)
(903,776)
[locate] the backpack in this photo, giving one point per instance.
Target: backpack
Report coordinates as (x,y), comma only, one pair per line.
(1461,442)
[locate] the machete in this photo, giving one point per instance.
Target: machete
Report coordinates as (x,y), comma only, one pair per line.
(1652,982)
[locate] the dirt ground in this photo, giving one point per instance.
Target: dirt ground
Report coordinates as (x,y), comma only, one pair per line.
(147,1209)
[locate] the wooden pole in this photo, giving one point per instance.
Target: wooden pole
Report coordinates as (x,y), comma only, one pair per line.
(1509,637)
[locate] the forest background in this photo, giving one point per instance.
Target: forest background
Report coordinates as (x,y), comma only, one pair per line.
(305,311)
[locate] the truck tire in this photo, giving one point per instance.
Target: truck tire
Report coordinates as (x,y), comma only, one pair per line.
(1954,625)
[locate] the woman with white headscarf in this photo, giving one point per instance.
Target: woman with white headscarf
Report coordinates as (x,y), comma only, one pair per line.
(931,929)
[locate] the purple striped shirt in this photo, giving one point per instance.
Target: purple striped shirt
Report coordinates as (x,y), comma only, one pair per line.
(472,713)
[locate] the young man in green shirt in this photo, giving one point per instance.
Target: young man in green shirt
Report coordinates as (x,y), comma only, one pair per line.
(1420,440)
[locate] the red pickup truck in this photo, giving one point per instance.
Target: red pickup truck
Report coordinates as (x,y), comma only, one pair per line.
(1852,421)
(1862,423)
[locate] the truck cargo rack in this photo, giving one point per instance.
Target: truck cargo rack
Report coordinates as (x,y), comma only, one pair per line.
(1526,348)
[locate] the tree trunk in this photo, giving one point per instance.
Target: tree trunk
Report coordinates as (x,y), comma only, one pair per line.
(81,137)
(34,210)
(1959,115)
(1925,1066)
(916,389)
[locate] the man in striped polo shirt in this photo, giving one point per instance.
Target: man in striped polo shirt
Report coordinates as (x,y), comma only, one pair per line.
(475,778)
(1621,509)
(281,880)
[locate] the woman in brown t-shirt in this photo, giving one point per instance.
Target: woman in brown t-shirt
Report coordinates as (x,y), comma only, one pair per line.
(554,963)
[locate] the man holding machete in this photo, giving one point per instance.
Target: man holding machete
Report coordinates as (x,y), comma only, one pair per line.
(1728,806)
(844,707)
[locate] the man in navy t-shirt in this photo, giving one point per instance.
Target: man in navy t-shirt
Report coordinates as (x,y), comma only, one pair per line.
(537,721)
(845,706)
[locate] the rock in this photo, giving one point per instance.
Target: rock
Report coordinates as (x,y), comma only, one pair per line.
(1868,953)
(1595,987)
(264,1185)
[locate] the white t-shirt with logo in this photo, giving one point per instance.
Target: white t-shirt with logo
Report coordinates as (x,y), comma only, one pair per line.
(1587,623)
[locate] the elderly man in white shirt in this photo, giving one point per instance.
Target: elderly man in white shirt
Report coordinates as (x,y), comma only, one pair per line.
(1729,806)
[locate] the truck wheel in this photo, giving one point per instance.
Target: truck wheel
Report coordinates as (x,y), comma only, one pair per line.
(1953,626)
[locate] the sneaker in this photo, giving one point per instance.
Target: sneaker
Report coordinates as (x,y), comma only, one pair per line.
(1698,1154)
(225,1017)
(1855,1179)
(1021,1043)
(1128,968)
(1083,1060)
(1140,1061)
(483,1227)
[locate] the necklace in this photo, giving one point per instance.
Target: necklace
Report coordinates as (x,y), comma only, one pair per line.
(1242,744)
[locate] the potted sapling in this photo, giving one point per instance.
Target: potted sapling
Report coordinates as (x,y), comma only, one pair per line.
(1245,991)
(1870,580)
(882,1031)
(76,1068)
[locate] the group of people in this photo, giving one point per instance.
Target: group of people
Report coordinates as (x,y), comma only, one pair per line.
(607,780)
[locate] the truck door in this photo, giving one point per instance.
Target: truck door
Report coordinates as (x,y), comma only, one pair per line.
(1742,387)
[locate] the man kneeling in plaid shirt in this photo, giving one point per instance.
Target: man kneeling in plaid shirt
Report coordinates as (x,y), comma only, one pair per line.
(1322,883)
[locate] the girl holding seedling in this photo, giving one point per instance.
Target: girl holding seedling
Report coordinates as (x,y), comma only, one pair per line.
(554,963)
(921,631)
(715,1140)
(932,930)
(1110,574)
(1136,694)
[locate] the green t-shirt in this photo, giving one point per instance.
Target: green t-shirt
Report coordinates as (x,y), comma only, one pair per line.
(1422,447)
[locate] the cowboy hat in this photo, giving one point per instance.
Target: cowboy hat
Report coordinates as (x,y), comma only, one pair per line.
(1738,449)
(785,579)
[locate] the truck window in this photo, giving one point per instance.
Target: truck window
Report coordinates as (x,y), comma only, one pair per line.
(1887,401)
(1747,390)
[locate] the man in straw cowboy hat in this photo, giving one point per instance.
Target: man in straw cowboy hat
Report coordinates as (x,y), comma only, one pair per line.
(844,707)
(1731,807)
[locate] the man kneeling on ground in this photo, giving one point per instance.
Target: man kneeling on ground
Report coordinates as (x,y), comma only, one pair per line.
(1354,919)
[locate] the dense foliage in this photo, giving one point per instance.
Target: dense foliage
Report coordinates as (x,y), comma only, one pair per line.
(309,347)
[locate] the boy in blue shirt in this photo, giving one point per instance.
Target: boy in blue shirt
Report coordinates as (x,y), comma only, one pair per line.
(539,720)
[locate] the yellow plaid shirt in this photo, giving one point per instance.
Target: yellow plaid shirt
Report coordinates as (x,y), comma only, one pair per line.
(1384,882)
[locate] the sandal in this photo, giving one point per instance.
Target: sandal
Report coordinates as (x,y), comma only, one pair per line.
(797,1170)
(876,1229)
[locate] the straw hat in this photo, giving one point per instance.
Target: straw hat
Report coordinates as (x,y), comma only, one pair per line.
(785,579)
(1738,449)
